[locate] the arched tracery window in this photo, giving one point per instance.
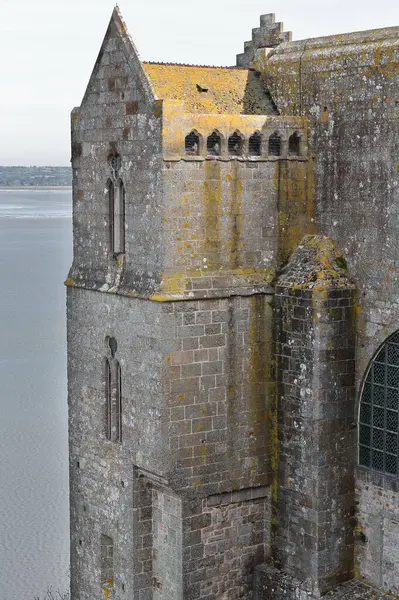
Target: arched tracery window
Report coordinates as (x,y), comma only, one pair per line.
(378,421)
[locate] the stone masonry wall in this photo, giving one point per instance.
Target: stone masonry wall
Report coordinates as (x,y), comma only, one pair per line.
(229,223)
(348,87)
(377,554)
(220,397)
(196,377)
(227,535)
(118,115)
(101,471)
(167,546)
(219,392)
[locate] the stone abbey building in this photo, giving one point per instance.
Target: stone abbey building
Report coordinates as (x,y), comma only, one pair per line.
(233,317)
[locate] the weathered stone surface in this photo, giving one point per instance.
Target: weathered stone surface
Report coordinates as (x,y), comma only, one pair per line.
(270,583)
(236,336)
(317,442)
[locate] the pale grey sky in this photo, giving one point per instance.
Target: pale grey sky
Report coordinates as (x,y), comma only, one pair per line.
(48,49)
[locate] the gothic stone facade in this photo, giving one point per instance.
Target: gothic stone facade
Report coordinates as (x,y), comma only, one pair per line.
(233,362)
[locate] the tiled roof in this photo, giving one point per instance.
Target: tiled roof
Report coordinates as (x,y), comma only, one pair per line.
(211,90)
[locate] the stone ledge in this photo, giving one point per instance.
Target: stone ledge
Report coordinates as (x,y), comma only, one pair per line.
(234,497)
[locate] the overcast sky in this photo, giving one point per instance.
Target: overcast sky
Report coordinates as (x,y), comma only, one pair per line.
(48,49)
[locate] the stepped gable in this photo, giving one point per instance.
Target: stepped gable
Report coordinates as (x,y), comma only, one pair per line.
(269,35)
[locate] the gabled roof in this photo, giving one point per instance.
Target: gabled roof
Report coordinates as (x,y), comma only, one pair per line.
(211,90)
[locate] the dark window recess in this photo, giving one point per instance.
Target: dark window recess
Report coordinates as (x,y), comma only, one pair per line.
(255,145)
(111,204)
(118,402)
(108,400)
(116,201)
(379,411)
(113,395)
(213,144)
(294,144)
(192,143)
(107,561)
(275,145)
(235,145)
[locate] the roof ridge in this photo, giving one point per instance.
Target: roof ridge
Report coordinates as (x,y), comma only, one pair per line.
(173,64)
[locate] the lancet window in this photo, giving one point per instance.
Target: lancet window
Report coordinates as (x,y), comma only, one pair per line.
(116,207)
(113,394)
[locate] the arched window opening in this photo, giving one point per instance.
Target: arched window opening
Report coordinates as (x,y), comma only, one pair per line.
(117,217)
(113,394)
(111,203)
(108,400)
(255,144)
(107,562)
(118,402)
(294,144)
(275,145)
(235,144)
(192,143)
(378,421)
(214,144)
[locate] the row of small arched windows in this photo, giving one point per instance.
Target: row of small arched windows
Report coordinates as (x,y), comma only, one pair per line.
(235,144)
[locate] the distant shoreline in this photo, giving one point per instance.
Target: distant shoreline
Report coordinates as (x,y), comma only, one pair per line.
(35,187)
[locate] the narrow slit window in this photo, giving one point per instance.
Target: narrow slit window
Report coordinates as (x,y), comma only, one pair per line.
(235,145)
(213,144)
(255,145)
(113,394)
(275,145)
(108,400)
(111,210)
(118,402)
(294,144)
(107,562)
(118,219)
(192,143)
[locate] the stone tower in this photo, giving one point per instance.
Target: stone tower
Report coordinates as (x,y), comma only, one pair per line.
(212,327)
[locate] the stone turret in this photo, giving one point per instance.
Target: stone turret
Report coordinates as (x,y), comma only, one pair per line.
(269,35)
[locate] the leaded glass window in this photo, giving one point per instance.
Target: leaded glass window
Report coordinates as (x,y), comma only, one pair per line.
(378,423)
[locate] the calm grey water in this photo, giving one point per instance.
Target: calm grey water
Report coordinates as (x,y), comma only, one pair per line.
(35,254)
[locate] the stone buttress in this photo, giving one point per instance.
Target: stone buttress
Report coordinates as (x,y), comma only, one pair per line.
(314,489)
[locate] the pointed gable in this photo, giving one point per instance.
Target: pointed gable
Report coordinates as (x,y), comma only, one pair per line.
(117,38)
